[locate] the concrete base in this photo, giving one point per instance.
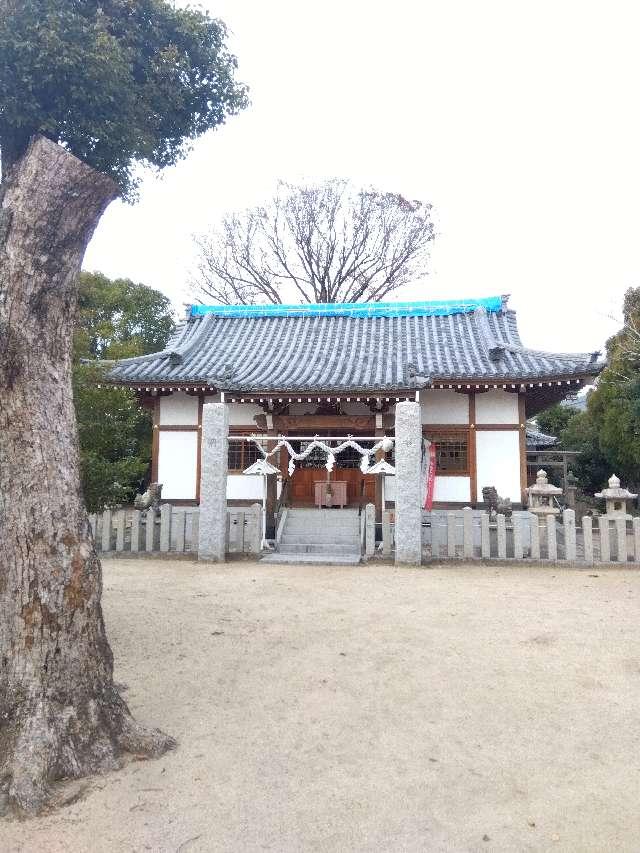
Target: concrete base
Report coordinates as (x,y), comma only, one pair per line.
(313,559)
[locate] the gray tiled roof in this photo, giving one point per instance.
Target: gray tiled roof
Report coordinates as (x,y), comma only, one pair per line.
(538,439)
(348,354)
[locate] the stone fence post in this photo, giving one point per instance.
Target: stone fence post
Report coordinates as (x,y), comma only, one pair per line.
(408,444)
(212,532)
(370,530)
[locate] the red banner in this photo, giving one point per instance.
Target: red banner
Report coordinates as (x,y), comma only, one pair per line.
(431,477)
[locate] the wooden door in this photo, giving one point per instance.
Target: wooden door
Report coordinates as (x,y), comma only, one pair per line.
(302,484)
(304,480)
(312,470)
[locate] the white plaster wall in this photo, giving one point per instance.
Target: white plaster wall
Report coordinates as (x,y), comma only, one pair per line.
(240,414)
(179,409)
(447,489)
(177,464)
(452,490)
(497,407)
(498,462)
(444,407)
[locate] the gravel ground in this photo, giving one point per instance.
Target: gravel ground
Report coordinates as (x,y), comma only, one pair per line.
(368,709)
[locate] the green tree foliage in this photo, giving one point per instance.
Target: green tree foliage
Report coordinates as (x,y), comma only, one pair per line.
(116,319)
(119,319)
(115,81)
(608,433)
(556,419)
(591,467)
(115,439)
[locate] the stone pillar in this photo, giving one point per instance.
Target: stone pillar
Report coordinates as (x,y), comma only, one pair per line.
(212,532)
(408,444)
(386,533)
(370,529)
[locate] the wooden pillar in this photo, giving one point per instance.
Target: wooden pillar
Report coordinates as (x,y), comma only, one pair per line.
(199,451)
(284,470)
(272,487)
(522,424)
(380,454)
(155,440)
(473,468)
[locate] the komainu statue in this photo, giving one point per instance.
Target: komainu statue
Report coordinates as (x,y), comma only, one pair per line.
(494,503)
(150,499)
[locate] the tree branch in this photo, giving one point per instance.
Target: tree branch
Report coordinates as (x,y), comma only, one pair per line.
(319,243)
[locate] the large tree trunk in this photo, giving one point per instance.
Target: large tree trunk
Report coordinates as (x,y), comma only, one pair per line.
(60,713)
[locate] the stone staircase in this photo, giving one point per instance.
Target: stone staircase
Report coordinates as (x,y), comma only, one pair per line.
(322,536)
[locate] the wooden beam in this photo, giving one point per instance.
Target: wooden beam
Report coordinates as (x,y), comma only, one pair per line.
(155,441)
(199,451)
(180,428)
(445,428)
(284,424)
(473,469)
(523,448)
(497,427)
(379,488)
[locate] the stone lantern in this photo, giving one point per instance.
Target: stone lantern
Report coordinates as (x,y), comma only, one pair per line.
(541,496)
(616,498)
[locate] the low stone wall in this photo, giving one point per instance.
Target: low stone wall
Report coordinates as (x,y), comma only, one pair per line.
(472,535)
(172,530)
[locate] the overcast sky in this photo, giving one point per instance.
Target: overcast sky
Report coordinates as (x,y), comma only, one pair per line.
(518,121)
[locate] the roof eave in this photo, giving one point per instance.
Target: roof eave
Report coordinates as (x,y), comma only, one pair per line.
(520,383)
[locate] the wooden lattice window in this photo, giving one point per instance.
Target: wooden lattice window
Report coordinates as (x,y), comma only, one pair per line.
(452,452)
(242,454)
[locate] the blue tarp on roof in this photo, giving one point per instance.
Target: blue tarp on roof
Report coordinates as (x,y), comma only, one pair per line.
(436,308)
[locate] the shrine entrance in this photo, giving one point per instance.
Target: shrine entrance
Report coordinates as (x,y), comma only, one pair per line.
(311,482)
(346,485)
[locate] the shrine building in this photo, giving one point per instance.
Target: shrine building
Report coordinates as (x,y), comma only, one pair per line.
(338,370)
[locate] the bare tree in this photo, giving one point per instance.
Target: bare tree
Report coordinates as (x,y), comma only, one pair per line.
(316,243)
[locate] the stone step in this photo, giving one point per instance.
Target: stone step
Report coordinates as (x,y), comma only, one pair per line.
(301,526)
(318,536)
(313,559)
(322,513)
(352,522)
(323,524)
(303,529)
(317,548)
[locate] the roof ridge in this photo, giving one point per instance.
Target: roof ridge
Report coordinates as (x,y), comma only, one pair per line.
(419,308)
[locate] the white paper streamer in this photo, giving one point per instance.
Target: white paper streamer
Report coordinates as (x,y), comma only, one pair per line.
(385,444)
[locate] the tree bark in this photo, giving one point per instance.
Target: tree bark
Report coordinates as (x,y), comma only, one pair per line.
(60,714)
